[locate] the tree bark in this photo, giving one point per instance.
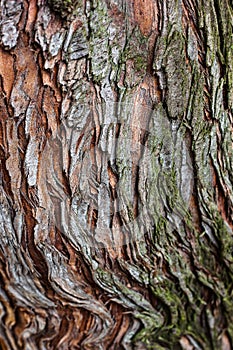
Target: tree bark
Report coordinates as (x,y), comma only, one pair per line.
(116,174)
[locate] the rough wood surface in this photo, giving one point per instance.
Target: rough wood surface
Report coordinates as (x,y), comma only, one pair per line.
(116,174)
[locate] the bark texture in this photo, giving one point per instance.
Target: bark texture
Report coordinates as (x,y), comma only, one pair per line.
(116,174)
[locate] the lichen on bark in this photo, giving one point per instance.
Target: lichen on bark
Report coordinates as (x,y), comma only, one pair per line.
(116,174)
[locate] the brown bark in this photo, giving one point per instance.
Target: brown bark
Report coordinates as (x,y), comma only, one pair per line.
(116,174)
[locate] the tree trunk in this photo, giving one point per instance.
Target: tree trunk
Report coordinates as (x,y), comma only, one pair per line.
(116,174)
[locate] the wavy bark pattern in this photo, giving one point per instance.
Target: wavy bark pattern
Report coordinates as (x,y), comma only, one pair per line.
(166,282)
